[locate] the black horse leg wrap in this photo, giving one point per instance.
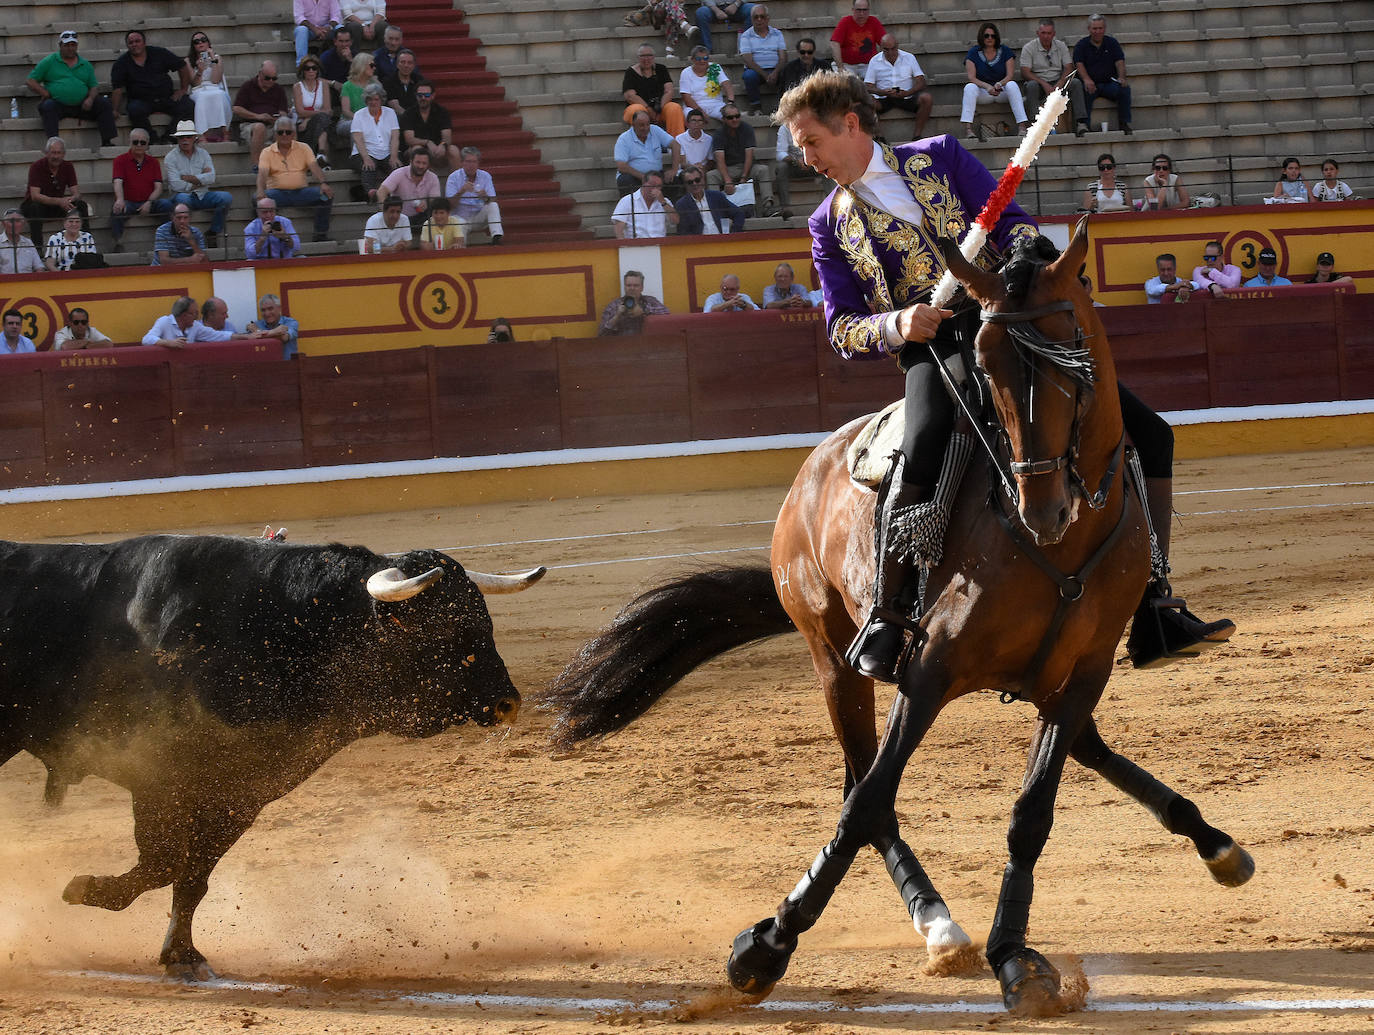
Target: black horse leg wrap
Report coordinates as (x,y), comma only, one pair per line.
(803,907)
(1012,916)
(911,880)
(1125,775)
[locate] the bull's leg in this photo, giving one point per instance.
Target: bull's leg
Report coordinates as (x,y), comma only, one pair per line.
(1228,862)
(214,834)
(761,953)
(153,834)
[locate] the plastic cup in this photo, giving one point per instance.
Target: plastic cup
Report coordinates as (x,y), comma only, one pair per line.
(1104,127)
(362,246)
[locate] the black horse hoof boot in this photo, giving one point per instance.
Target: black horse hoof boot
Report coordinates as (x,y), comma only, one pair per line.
(1030,984)
(757,962)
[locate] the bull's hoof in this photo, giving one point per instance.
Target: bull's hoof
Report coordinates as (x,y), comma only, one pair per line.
(75,891)
(1030,985)
(1232,866)
(759,958)
(189,973)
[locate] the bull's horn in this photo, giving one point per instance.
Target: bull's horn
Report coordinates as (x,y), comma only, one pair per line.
(391,584)
(506,583)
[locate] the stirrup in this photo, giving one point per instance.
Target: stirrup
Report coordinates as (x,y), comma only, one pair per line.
(1164,630)
(883,642)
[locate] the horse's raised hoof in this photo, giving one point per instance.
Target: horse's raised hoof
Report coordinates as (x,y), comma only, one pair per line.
(759,958)
(75,891)
(1232,866)
(1030,985)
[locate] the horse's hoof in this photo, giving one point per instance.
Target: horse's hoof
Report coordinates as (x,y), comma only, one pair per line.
(1030,985)
(757,962)
(1232,866)
(75,891)
(943,936)
(189,973)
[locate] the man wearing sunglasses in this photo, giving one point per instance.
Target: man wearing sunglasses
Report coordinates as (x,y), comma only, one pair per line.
(78,333)
(258,104)
(1216,275)
(140,73)
(706,212)
(138,185)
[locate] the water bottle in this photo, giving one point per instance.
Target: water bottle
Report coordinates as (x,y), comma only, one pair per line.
(14,107)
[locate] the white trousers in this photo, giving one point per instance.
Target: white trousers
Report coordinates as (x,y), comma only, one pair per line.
(1011,94)
(489,216)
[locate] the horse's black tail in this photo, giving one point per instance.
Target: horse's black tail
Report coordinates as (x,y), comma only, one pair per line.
(658,638)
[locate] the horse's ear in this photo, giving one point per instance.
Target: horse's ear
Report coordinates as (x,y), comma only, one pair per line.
(982,285)
(1075,256)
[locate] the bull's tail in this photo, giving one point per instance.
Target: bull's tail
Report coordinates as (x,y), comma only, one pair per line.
(658,638)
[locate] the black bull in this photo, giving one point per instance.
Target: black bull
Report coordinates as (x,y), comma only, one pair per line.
(210,675)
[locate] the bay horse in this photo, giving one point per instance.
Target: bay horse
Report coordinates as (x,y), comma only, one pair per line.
(1029,599)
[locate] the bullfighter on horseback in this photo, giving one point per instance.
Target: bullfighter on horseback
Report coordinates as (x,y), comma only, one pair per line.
(875,244)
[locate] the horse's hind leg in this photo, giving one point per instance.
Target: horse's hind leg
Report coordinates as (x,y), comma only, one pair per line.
(760,954)
(1228,862)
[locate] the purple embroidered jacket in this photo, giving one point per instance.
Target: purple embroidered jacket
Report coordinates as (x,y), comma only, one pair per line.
(871,263)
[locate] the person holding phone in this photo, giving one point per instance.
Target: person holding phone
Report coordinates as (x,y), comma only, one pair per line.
(270,236)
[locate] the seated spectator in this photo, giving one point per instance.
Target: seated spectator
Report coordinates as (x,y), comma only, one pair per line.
(181,327)
(647,86)
(209,91)
(52,190)
(991,70)
(1215,276)
(389,229)
(77,333)
(415,185)
(441,233)
(667,15)
(1331,188)
(17,253)
(67,88)
(1291,185)
(1046,65)
(1163,190)
(764,53)
(137,182)
(1268,271)
(386,54)
(473,195)
(790,162)
(276,325)
(697,148)
(214,314)
(854,43)
(1107,193)
(729,298)
(190,175)
(13,341)
(335,63)
(1166,285)
(365,20)
(270,236)
(400,87)
(376,143)
(721,13)
(141,73)
(628,313)
(351,100)
(63,247)
(639,151)
(258,105)
(500,332)
(736,162)
(177,241)
(895,80)
(314,108)
(1101,65)
(702,211)
(641,213)
(1326,271)
(704,85)
(785,292)
(315,21)
(429,125)
(282,176)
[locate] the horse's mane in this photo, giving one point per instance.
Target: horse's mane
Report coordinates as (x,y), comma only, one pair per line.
(1027,256)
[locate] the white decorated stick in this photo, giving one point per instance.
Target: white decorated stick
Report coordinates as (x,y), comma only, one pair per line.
(997,202)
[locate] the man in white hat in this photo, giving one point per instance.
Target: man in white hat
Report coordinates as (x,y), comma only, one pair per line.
(190,175)
(67,86)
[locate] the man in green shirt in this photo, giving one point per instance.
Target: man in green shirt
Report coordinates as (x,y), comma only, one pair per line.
(66,84)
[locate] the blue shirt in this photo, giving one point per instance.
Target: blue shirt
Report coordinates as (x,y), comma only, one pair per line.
(469,203)
(169,241)
(259,245)
(763,48)
(643,155)
(25,345)
(1259,281)
(1099,61)
(990,73)
(288,347)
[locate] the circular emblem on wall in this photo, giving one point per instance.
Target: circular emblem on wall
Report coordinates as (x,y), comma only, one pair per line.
(439,301)
(1243,249)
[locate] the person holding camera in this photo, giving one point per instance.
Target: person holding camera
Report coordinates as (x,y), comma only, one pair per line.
(500,332)
(627,314)
(270,236)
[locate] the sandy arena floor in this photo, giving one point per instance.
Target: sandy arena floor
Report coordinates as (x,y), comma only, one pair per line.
(474,883)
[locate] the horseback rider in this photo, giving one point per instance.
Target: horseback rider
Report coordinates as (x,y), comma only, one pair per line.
(875,246)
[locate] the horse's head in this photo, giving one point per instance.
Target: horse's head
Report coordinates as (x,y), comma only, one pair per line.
(1038,346)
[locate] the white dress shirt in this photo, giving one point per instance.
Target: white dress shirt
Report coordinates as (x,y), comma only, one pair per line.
(898,75)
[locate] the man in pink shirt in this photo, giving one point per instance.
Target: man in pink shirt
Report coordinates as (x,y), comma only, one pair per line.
(415,185)
(1214,275)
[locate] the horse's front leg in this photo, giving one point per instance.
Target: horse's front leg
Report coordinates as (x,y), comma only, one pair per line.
(1030,984)
(760,954)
